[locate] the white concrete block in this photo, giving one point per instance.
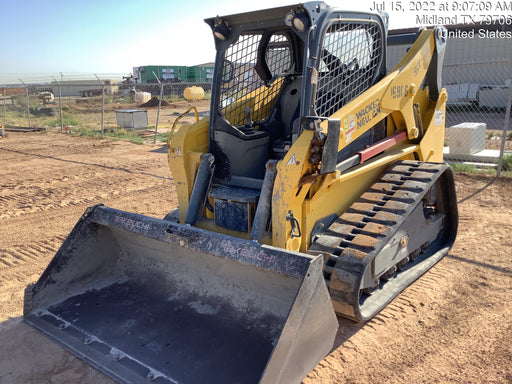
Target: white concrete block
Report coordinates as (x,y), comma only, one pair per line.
(132,118)
(466,138)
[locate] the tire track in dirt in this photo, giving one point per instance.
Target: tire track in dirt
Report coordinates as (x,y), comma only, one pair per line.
(39,199)
(24,253)
(34,149)
(22,264)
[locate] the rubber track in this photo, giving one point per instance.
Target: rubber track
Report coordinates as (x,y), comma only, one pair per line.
(351,243)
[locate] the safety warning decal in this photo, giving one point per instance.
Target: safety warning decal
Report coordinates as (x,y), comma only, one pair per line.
(438,117)
(350,127)
(292,160)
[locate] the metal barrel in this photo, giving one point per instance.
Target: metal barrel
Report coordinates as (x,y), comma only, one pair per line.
(150,301)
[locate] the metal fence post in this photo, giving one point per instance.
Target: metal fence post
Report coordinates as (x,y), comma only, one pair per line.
(28,103)
(5,108)
(60,105)
(159,105)
(102,102)
(504,134)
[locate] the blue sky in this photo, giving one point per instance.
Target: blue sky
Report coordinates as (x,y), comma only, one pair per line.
(40,39)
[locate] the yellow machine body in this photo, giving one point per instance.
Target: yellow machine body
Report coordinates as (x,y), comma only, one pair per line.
(311,198)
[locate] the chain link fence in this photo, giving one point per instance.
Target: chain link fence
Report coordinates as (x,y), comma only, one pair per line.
(477,74)
(98,105)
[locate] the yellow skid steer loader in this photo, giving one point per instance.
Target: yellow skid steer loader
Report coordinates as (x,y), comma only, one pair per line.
(315,187)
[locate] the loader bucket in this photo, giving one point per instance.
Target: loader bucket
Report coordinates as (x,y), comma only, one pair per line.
(150,301)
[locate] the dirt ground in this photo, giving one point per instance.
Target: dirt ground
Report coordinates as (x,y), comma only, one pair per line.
(452,326)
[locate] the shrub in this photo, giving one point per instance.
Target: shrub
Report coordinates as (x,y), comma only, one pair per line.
(507,163)
(66,120)
(461,167)
(121,133)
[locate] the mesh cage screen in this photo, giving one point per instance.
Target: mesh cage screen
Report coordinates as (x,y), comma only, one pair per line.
(242,86)
(351,56)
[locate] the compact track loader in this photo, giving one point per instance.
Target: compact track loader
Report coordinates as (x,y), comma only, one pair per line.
(315,187)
